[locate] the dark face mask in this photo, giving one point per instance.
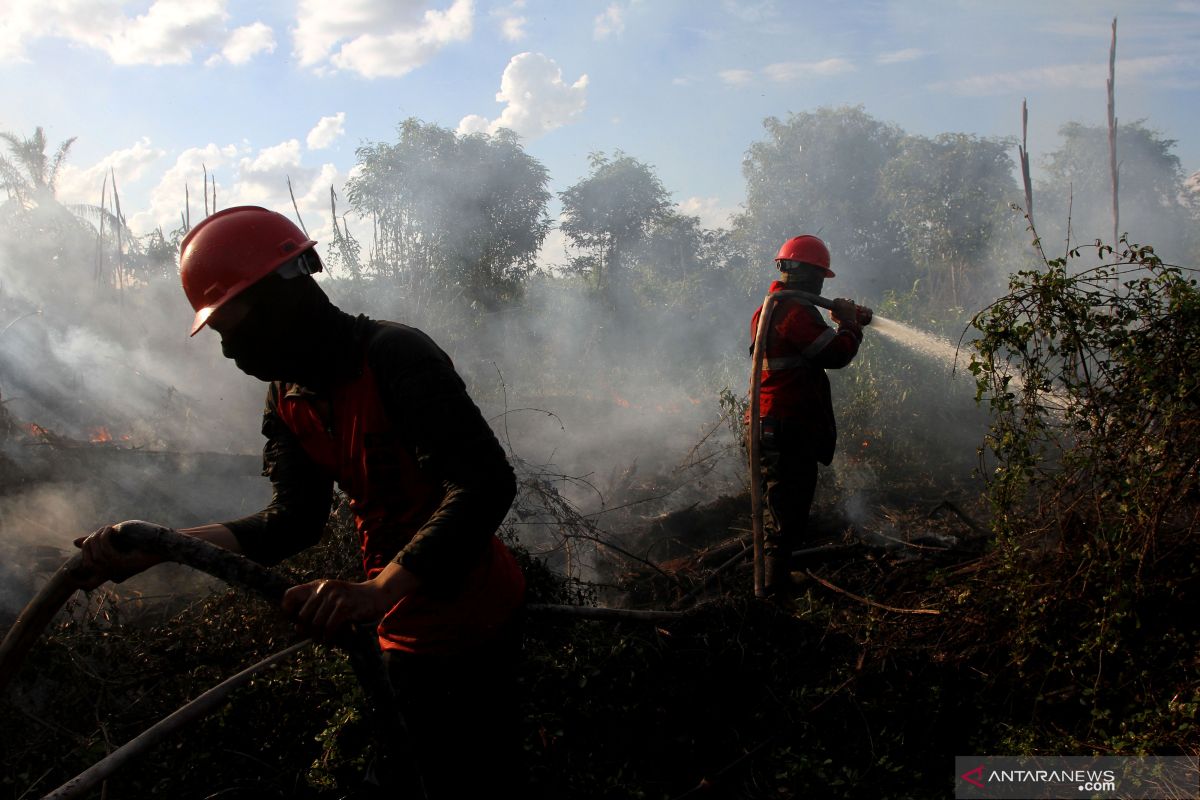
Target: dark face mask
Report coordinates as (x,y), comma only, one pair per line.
(270,342)
(261,358)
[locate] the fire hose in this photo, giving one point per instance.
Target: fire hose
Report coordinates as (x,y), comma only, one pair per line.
(755,433)
(359,642)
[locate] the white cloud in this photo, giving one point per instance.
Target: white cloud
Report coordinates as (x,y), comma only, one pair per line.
(538,99)
(788,71)
(245,43)
(169,32)
(167,198)
(736,77)
(1063,76)
(326,132)
(19,23)
(513,28)
(270,159)
(901,56)
(83,185)
(611,22)
(243,176)
(377,38)
(681,81)
(709,209)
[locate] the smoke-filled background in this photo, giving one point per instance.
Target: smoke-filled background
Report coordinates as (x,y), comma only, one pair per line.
(601,323)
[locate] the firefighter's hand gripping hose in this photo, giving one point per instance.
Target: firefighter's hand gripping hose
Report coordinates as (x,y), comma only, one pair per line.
(360,643)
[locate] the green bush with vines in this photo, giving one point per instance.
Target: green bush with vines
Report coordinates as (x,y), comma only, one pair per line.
(1093,473)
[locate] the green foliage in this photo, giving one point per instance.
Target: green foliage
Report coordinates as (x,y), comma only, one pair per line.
(28,175)
(610,211)
(948,196)
(451,213)
(1077,188)
(821,171)
(1092,473)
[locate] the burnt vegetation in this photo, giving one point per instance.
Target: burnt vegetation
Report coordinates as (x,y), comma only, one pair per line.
(1013,575)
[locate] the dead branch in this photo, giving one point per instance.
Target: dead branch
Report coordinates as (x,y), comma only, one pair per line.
(1112,135)
(295,206)
(591,612)
(737,559)
(958,512)
(867,602)
(1023,151)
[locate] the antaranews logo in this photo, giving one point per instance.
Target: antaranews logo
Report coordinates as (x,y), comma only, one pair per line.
(974,776)
(1095,777)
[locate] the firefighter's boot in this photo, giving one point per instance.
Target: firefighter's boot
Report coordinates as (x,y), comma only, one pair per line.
(777,577)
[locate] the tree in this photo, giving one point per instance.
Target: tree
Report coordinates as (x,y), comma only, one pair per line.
(671,248)
(29,176)
(1152,192)
(36,223)
(819,172)
(609,213)
(452,213)
(948,196)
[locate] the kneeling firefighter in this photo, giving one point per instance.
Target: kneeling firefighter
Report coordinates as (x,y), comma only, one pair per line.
(795,409)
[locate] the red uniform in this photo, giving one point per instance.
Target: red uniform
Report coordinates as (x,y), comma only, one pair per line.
(427,481)
(799,347)
(796,411)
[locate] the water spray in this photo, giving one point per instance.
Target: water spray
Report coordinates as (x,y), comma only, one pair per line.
(33,313)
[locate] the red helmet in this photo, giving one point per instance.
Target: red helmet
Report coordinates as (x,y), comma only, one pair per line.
(232,250)
(808,250)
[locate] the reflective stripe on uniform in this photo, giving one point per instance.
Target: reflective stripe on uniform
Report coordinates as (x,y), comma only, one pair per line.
(820,343)
(787,362)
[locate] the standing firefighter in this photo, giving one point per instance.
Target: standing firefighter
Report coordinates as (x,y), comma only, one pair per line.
(378,409)
(797,427)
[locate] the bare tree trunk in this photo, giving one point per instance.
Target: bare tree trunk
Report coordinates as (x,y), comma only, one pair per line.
(1112,137)
(1023,150)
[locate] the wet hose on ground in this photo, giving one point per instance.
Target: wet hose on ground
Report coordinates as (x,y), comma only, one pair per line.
(755,432)
(359,642)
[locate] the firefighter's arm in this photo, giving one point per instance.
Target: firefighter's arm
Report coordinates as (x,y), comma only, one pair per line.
(301,495)
(104,560)
(324,607)
(454,445)
(820,344)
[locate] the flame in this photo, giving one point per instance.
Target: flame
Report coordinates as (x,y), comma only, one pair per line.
(36,430)
(621,401)
(100,435)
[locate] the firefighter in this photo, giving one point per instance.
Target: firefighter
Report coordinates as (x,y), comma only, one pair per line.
(796,410)
(377,408)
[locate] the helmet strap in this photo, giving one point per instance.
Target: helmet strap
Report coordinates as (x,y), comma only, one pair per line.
(306,263)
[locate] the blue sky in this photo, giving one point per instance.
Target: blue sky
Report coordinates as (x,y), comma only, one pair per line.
(260,91)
